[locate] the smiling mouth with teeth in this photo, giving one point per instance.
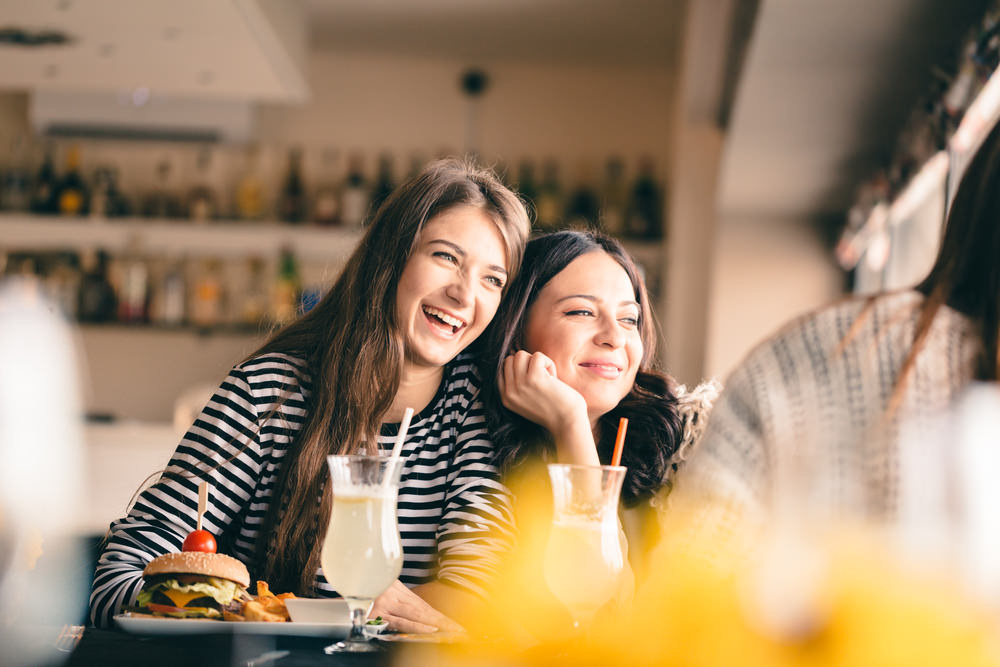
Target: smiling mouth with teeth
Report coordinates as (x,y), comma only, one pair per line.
(444,318)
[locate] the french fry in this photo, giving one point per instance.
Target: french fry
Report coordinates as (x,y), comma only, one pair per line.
(232,616)
(255,611)
(263,590)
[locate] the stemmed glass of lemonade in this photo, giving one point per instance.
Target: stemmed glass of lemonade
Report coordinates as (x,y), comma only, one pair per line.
(584,558)
(362,554)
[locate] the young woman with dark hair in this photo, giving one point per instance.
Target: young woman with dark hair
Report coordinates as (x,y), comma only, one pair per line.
(834,387)
(391,333)
(572,348)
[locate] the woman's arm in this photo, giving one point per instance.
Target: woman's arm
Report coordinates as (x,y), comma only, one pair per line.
(476,529)
(529,386)
(166,512)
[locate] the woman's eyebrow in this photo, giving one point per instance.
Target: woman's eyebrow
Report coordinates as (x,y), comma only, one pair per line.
(595,299)
(460,251)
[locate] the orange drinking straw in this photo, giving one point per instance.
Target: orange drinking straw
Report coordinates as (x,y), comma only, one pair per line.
(616,458)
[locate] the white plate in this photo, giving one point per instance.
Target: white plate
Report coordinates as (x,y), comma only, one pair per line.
(142,624)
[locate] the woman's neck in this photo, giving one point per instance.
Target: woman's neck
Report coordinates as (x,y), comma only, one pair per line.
(417,387)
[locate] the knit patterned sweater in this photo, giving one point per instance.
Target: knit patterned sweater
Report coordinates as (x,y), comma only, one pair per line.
(803,423)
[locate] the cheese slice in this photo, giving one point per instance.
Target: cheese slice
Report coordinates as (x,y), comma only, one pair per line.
(182,599)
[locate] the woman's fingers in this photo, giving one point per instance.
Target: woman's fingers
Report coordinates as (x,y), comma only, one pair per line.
(406,611)
(400,624)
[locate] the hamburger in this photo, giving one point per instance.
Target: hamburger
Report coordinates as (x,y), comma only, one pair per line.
(193,584)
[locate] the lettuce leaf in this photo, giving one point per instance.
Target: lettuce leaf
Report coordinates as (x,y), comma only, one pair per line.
(221,590)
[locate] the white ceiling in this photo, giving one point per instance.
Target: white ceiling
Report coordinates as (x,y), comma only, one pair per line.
(197,48)
(825,91)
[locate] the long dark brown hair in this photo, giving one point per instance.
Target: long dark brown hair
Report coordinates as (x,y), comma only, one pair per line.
(966,272)
(352,333)
(655,427)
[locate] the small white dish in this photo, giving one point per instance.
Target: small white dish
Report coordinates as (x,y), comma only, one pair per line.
(318,610)
(373,628)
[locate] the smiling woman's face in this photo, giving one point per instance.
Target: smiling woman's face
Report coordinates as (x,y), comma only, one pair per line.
(586,319)
(451,285)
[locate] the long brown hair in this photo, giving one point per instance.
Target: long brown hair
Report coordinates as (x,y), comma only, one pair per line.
(966,272)
(352,333)
(655,427)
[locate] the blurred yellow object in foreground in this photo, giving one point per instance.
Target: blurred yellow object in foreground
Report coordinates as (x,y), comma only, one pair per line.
(868,610)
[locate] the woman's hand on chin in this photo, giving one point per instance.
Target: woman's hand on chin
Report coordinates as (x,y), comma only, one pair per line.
(405,611)
(530,387)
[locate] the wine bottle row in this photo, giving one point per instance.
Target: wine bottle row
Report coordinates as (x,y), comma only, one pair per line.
(229,183)
(139,288)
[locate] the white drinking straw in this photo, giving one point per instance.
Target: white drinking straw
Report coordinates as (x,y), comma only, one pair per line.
(404,426)
(397,447)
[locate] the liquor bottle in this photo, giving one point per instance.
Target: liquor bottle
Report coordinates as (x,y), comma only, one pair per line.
(287,289)
(326,202)
(354,193)
(43,196)
(644,219)
(62,284)
(15,194)
(171,297)
(201,201)
(133,301)
(550,198)
(583,208)
(614,198)
(97,301)
(384,184)
(526,186)
(207,296)
(106,200)
(162,202)
(71,194)
(253,306)
(250,200)
(293,206)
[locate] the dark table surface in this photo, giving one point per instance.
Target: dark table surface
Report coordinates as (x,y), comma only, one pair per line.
(113,647)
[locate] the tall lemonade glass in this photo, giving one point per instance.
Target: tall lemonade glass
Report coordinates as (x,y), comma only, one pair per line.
(362,554)
(584,558)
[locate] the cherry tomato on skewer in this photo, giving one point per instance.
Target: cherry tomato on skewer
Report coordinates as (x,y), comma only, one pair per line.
(200,540)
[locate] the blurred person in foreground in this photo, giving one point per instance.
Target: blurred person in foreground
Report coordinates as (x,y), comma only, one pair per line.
(814,414)
(391,333)
(572,349)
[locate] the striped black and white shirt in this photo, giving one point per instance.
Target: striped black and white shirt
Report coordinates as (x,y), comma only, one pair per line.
(454,513)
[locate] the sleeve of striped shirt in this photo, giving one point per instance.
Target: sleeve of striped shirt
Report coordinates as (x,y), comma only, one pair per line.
(222,441)
(477,525)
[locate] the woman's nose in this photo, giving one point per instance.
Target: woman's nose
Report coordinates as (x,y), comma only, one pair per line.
(460,289)
(610,334)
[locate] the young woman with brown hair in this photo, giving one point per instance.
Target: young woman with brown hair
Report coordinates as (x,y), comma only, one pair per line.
(391,333)
(572,348)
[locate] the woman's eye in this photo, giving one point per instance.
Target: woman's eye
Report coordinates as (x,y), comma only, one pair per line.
(447,256)
(630,322)
(583,312)
(495,281)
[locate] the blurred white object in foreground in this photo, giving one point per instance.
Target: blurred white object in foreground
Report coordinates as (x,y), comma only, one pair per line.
(949,495)
(42,585)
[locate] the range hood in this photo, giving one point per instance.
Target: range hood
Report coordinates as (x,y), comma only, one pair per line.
(178,69)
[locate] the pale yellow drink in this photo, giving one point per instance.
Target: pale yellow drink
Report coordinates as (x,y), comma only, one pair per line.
(362,554)
(582,563)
